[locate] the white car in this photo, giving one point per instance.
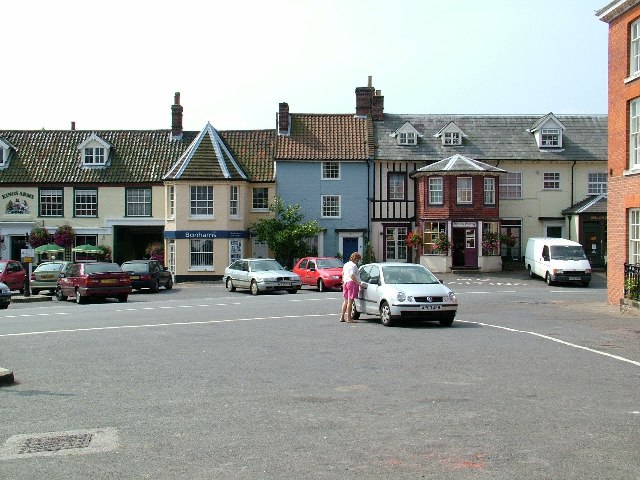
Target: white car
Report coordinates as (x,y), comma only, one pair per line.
(404,291)
(260,275)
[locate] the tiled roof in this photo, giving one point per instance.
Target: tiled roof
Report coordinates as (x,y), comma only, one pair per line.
(458,164)
(326,137)
(137,156)
(591,204)
(493,137)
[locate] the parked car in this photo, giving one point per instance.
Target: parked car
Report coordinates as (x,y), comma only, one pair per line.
(260,275)
(397,291)
(321,272)
(148,274)
(45,276)
(5,296)
(93,280)
(12,274)
(557,260)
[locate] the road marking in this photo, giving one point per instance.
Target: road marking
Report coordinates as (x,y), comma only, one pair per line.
(557,340)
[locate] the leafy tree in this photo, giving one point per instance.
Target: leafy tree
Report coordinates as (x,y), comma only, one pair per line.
(286,234)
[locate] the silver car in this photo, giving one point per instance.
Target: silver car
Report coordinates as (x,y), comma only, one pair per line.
(404,290)
(260,275)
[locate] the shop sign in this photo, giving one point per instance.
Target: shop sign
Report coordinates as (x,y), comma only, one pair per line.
(15,205)
(465,224)
(205,234)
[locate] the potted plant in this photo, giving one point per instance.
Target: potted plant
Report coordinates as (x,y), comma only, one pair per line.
(155,251)
(442,245)
(491,243)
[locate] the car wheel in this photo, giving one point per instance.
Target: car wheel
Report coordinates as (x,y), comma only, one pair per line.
(385,314)
(447,322)
(230,286)
(59,296)
(585,284)
(548,279)
(293,290)
(321,286)
(155,286)
(122,298)
(80,299)
(355,314)
(4,306)
(531,274)
(169,284)
(21,291)
(254,288)
(35,292)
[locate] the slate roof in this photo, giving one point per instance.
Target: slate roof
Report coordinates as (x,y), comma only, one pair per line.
(493,137)
(458,164)
(320,137)
(137,156)
(591,204)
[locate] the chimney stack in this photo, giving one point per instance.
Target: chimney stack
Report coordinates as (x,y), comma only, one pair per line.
(73,126)
(176,118)
(377,106)
(369,102)
(283,119)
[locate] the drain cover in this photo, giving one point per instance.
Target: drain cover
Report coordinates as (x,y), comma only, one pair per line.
(77,442)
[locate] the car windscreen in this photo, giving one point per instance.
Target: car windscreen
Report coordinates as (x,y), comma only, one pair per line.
(408,275)
(50,267)
(329,263)
(567,252)
(135,267)
(101,268)
(265,265)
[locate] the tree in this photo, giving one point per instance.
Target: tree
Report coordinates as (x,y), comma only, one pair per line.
(286,234)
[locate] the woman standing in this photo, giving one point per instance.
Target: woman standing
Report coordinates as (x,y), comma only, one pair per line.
(350,284)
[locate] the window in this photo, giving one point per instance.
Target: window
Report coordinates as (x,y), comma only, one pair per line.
(397,182)
(597,183)
(201,254)
(330,170)
(551,181)
(138,202)
(432,230)
(233,201)
(452,138)
(260,199)
(435,191)
(464,190)
(550,137)
(86,203)
(235,249)
(51,203)
(171,201)
(634,236)
(396,242)
(511,185)
(634,64)
(634,134)
(201,201)
(491,238)
(330,206)
(407,138)
(489,191)
(85,240)
(94,156)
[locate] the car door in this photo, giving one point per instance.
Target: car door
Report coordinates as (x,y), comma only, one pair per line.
(311,273)
(303,271)
(67,280)
(243,274)
(15,276)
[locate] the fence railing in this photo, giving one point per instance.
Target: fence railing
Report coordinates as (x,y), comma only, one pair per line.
(632,281)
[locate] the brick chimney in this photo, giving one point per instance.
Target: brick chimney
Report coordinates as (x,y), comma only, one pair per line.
(377,106)
(284,128)
(364,99)
(176,118)
(73,126)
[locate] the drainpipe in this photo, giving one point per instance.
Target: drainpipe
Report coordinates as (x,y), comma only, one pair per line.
(571,204)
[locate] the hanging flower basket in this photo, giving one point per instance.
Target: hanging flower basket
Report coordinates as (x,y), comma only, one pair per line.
(38,237)
(65,236)
(414,239)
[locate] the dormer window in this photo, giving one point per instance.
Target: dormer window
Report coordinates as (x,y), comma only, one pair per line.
(550,137)
(94,156)
(407,138)
(5,151)
(94,151)
(406,135)
(451,135)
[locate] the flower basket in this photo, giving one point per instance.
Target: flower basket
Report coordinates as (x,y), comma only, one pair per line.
(155,251)
(491,243)
(38,237)
(65,236)
(414,239)
(442,245)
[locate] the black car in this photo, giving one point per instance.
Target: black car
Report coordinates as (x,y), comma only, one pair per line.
(5,296)
(148,274)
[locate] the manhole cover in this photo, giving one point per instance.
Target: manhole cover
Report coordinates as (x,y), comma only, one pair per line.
(59,443)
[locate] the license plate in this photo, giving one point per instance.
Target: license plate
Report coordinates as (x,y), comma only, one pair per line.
(284,284)
(108,281)
(574,278)
(430,307)
(47,277)
(135,277)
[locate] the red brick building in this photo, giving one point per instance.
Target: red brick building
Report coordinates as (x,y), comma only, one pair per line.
(623,224)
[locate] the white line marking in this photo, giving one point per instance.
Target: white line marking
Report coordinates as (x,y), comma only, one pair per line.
(547,337)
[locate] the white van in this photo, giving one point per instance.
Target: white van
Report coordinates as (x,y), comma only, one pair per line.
(557,260)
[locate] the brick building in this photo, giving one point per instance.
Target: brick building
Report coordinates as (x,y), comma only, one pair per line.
(623,17)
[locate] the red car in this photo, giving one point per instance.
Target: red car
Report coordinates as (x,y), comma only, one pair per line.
(12,274)
(320,272)
(93,280)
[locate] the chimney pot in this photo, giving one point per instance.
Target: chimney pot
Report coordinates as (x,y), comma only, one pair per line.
(176,118)
(73,126)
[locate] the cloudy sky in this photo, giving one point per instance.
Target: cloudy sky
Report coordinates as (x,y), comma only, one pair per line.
(117,64)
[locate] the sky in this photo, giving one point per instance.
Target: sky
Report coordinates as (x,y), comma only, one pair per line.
(116,65)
